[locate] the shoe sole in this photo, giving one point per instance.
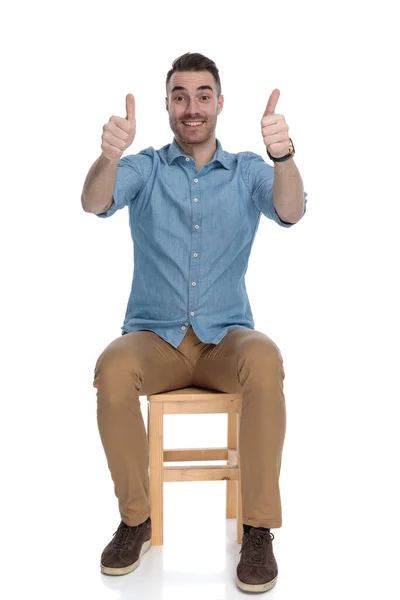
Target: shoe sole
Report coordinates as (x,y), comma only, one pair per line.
(124,570)
(259,587)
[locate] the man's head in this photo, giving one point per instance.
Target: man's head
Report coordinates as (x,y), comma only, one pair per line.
(193,92)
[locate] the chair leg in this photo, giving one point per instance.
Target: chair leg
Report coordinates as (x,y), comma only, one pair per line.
(239,519)
(231,486)
(156,461)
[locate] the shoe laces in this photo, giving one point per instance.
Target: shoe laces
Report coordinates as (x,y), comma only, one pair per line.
(122,535)
(256,543)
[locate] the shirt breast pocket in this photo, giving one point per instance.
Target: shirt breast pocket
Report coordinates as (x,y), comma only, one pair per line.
(226,215)
(235,203)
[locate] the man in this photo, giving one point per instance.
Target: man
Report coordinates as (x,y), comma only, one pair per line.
(194,210)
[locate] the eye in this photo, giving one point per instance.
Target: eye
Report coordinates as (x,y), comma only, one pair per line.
(177,97)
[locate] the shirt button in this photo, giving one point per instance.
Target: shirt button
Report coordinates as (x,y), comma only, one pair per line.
(193,283)
(196,200)
(186,324)
(192,313)
(194,253)
(188,159)
(195,180)
(183,327)
(196,226)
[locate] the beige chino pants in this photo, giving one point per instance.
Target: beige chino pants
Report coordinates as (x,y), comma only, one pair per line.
(245,361)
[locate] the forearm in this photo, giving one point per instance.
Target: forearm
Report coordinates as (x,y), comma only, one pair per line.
(288,191)
(99,185)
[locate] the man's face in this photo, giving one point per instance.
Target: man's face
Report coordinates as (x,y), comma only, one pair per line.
(193,104)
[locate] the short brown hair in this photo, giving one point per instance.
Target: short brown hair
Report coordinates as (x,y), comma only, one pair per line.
(193,61)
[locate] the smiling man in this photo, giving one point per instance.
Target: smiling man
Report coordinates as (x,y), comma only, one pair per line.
(194,210)
(193,104)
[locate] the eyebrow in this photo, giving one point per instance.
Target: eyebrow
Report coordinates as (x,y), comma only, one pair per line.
(201,87)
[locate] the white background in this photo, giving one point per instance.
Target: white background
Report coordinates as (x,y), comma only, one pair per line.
(325,291)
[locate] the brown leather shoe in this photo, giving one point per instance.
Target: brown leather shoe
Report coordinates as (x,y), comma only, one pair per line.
(257,570)
(122,555)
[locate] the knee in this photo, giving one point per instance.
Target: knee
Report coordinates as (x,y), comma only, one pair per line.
(114,368)
(263,353)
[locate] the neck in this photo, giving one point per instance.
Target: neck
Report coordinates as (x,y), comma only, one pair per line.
(201,152)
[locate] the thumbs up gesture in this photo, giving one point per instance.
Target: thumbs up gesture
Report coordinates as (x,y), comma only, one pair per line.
(119,132)
(274,129)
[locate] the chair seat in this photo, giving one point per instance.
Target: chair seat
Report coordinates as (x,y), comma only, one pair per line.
(193,400)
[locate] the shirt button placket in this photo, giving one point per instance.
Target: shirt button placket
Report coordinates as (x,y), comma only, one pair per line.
(194,264)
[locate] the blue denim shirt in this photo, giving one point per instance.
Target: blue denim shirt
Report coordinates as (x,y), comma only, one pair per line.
(192,234)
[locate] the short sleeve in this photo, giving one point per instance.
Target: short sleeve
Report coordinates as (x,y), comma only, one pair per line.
(128,184)
(259,178)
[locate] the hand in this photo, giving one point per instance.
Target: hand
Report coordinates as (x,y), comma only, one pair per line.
(274,128)
(119,132)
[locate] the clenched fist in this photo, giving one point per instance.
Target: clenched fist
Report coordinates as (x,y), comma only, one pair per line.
(119,132)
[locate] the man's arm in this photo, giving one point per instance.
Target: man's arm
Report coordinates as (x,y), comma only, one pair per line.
(288,191)
(97,194)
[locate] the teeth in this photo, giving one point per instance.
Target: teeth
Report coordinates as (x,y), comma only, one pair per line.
(193,123)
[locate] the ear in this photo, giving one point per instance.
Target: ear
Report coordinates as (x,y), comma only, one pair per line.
(166,103)
(220,103)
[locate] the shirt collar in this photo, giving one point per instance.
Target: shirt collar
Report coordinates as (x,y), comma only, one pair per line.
(174,151)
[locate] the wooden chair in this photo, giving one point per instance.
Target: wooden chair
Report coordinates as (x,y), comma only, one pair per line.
(193,400)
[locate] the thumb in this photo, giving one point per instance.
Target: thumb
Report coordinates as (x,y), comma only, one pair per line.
(272,102)
(130,107)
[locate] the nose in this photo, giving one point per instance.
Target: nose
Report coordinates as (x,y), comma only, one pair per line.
(193,107)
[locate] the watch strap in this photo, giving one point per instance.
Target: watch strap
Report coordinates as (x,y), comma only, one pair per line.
(287,156)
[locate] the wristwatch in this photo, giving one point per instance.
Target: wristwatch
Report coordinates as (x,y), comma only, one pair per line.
(282,158)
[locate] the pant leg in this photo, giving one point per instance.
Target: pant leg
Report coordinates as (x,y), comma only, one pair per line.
(247,361)
(135,364)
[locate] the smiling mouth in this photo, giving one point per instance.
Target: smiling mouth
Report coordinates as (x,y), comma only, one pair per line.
(192,126)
